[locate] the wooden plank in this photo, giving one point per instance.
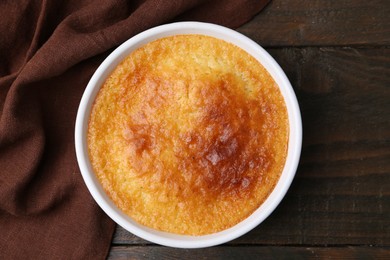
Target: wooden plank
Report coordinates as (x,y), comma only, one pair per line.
(248,252)
(341,193)
(321,23)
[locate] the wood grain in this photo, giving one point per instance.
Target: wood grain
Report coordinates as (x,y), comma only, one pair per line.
(248,252)
(321,23)
(341,193)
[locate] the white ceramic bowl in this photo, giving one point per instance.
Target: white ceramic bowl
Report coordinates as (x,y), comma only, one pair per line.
(294,145)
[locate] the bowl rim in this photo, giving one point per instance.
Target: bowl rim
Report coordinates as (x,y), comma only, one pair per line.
(294,143)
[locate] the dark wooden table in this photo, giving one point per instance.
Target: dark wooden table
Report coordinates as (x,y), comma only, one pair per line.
(336,54)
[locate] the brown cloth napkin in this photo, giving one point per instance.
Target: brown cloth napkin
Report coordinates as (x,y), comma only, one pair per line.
(48,52)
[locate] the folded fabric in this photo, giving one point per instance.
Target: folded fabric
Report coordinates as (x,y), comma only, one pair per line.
(49,50)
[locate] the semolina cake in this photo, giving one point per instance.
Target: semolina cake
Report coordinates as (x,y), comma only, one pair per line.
(188,135)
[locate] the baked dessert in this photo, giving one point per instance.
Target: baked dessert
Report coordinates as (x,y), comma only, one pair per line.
(188,135)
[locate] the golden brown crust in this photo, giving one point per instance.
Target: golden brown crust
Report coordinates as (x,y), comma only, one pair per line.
(188,135)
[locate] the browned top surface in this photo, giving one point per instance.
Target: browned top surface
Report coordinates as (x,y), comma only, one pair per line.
(189,135)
